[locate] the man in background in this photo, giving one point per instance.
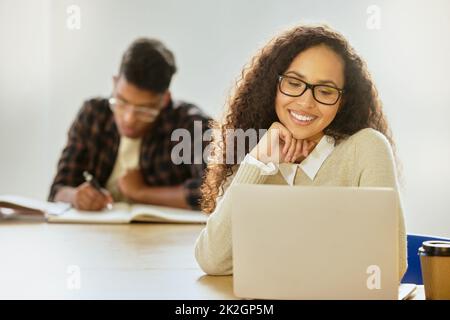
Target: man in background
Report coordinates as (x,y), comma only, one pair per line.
(124,142)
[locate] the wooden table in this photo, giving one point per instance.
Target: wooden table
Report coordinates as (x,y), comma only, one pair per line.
(134,261)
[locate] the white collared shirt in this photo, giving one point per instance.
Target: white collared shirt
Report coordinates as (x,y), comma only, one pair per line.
(310,165)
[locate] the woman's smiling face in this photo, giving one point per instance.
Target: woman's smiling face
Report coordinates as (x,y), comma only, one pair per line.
(303,116)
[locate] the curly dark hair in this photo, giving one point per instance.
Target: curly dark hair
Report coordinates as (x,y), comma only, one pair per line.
(252,103)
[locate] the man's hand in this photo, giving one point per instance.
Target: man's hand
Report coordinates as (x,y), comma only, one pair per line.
(86,197)
(131,184)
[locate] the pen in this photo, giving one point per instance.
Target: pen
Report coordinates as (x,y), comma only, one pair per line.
(91,179)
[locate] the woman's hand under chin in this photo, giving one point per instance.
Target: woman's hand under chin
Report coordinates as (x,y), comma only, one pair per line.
(279,146)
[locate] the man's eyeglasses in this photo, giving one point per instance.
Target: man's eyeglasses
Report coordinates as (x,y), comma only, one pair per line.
(294,87)
(144,114)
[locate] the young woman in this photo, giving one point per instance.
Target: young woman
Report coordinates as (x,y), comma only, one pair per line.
(315,96)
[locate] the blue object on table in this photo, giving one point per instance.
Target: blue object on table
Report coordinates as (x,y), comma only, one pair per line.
(414,272)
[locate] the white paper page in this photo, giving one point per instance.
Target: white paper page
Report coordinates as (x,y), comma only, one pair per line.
(49,207)
(118,214)
(406,290)
(166,214)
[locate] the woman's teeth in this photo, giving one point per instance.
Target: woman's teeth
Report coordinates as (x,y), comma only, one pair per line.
(302,117)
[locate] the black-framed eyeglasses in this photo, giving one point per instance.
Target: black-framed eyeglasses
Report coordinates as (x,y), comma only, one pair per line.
(322,93)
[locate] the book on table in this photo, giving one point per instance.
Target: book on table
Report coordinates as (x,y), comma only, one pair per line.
(17,207)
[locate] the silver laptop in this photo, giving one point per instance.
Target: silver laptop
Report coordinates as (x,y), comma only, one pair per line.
(314,242)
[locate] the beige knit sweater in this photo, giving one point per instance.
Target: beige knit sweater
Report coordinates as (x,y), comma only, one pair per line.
(365,159)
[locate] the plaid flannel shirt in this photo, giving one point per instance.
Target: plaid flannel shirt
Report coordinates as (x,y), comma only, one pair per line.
(93,143)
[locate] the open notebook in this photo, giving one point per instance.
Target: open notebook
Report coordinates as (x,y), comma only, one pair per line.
(125,213)
(22,208)
(407,291)
(19,207)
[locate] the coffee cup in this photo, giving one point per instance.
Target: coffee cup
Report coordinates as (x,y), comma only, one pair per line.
(435,263)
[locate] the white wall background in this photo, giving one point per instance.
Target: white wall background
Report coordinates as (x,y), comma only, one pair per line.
(47,70)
